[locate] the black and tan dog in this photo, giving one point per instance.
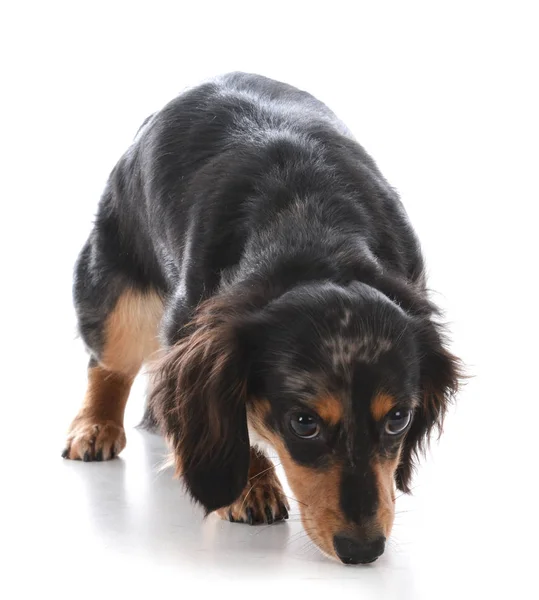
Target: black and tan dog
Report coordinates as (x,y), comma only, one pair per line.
(247,234)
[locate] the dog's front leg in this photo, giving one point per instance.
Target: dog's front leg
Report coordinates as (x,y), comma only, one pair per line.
(263,499)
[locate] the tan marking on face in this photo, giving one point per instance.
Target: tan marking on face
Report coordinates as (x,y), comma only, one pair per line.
(381,405)
(317,491)
(345,349)
(384,471)
(329,408)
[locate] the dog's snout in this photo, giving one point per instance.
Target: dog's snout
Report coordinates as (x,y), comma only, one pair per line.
(352,551)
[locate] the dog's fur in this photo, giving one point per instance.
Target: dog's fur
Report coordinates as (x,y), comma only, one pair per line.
(248,228)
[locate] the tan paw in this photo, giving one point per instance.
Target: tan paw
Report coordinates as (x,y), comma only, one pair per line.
(262,501)
(94,440)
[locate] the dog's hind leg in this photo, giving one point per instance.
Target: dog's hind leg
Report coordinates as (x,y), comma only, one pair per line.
(119,321)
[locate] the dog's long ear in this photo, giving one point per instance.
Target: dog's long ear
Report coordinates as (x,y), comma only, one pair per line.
(199,399)
(440,373)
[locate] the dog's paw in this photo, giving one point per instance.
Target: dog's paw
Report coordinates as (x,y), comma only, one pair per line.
(262,501)
(90,440)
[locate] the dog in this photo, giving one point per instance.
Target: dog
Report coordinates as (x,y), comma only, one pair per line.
(251,244)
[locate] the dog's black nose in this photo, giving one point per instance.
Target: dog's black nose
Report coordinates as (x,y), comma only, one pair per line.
(352,551)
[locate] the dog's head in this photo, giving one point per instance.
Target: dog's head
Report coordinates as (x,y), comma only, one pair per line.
(344,385)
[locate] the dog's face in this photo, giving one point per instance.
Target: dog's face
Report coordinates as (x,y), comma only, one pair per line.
(333,391)
(339,381)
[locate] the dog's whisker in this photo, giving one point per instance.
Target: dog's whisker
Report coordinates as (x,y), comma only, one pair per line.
(406,493)
(296,500)
(298,538)
(262,472)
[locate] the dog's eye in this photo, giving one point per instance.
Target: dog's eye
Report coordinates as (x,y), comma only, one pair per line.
(304,425)
(398,420)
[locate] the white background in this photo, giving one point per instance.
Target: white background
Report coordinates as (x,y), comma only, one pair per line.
(443,95)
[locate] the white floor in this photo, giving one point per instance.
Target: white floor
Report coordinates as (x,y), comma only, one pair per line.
(99,529)
(445,99)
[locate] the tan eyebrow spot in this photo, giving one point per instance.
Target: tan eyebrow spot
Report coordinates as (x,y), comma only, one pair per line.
(381,405)
(329,408)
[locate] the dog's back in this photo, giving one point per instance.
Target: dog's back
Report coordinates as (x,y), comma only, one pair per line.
(227,158)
